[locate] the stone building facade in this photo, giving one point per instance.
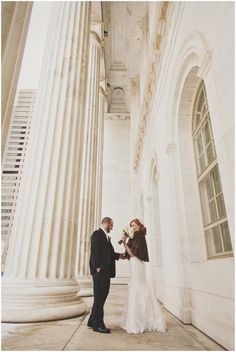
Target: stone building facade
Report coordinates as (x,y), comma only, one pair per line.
(134,118)
(13,162)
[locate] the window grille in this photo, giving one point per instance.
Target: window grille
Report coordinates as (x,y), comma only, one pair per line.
(217,236)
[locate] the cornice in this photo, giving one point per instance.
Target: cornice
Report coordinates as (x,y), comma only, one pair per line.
(158,43)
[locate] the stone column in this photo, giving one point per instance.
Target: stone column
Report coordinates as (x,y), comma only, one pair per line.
(39,282)
(98,153)
(92,130)
(15,23)
(101,114)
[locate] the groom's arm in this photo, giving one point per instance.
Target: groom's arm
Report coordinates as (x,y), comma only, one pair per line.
(96,249)
(121,255)
(127,250)
(117,255)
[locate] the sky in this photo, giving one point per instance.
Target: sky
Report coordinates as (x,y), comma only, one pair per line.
(35,43)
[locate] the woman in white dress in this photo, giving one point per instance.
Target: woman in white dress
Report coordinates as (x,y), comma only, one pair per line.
(142,311)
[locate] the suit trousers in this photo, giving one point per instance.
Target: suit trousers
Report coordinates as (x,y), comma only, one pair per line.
(101,286)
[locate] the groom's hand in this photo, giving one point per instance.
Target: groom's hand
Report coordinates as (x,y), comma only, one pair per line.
(98,269)
(122,256)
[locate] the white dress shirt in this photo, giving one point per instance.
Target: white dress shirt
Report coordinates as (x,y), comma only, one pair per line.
(106,233)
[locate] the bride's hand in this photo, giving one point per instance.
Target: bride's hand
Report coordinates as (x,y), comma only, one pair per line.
(124,238)
(125,245)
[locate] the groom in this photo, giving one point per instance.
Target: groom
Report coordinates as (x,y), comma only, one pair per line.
(102,267)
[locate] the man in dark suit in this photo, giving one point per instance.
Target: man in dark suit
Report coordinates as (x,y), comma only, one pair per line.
(102,267)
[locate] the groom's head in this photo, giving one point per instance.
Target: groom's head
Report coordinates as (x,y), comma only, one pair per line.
(107,224)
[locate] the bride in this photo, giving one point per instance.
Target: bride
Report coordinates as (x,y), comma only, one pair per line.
(142,311)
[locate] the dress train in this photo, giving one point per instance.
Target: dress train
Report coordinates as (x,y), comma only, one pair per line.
(142,311)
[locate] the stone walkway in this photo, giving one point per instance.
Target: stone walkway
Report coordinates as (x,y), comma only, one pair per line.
(73,334)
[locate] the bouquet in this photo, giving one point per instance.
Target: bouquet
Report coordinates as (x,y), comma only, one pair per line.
(128,232)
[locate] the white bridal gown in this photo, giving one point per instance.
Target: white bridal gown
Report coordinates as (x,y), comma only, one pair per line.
(142,311)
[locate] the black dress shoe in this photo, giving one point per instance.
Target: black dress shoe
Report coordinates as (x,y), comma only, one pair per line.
(89,325)
(108,330)
(101,330)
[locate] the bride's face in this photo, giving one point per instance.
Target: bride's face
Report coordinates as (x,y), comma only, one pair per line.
(135,227)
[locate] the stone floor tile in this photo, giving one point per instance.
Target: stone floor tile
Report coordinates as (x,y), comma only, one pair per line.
(73,334)
(37,336)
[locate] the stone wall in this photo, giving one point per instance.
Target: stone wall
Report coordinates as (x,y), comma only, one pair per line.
(195,42)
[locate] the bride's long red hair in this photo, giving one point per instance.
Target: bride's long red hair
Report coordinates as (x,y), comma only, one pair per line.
(142,227)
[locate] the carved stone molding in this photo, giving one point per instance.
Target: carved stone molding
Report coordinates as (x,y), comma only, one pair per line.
(205,65)
(193,53)
(117,116)
(154,64)
(102,91)
(95,36)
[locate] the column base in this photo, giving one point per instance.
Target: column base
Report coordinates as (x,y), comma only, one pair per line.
(86,286)
(25,301)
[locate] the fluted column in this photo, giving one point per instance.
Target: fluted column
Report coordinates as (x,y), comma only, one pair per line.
(98,200)
(87,221)
(39,281)
(99,175)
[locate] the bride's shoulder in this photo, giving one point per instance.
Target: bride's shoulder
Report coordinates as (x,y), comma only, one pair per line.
(141,233)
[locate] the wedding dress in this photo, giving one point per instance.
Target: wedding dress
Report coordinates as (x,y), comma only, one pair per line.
(142,311)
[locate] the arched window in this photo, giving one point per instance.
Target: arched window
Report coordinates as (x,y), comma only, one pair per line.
(218,242)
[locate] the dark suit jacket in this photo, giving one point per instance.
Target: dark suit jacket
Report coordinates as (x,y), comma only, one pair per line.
(102,253)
